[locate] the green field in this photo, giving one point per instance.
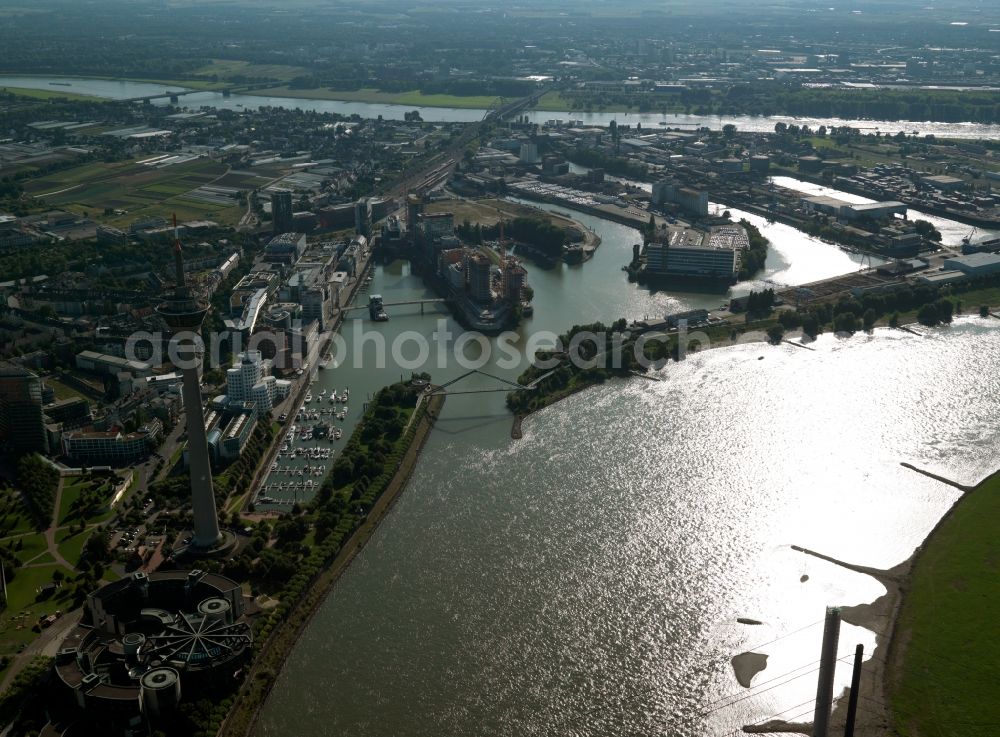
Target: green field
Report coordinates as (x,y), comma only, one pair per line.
(30,546)
(558,103)
(72,488)
(71,545)
(52,94)
(949,643)
(413,97)
(227,69)
(139,190)
(14,520)
(24,607)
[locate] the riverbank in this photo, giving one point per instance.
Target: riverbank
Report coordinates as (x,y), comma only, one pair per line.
(271,657)
(943,624)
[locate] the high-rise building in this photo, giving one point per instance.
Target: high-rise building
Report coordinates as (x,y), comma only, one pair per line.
(184,313)
(514,279)
(414,208)
(478,269)
(246,372)
(281,211)
(263,392)
(362,218)
(22,426)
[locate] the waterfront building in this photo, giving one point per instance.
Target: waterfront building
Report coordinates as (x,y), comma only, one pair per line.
(684,252)
(974,264)
(414,209)
(263,393)
(22,424)
(282,216)
(478,268)
(246,373)
(515,278)
(436,225)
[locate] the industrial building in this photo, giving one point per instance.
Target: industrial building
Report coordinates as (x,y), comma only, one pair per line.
(842,209)
(974,264)
(691,201)
(146,643)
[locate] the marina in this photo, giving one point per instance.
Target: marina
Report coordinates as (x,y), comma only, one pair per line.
(308,445)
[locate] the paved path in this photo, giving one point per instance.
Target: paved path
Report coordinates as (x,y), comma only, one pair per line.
(47,644)
(50,533)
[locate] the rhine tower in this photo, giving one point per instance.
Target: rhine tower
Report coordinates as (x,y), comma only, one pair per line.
(184,313)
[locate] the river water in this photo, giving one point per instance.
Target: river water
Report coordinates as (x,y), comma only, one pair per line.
(586,580)
(118,89)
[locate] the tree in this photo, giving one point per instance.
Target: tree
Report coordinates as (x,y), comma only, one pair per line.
(869,319)
(810,325)
(775,333)
(927,315)
(927,230)
(729,130)
(984,311)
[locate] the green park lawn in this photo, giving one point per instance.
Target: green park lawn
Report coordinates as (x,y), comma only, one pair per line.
(49,94)
(949,642)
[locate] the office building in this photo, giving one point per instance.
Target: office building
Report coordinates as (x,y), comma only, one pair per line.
(22,425)
(414,209)
(435,226)
(144,644)
(263,393)
(683,252)
(282,216)
(285,248)
(246,373)
(113,447)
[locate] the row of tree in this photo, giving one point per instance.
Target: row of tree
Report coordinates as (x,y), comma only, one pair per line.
(38,480)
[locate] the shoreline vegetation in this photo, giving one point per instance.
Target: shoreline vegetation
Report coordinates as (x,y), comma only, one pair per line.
(283,626)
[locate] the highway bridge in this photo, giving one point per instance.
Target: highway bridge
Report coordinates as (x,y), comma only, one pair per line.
(421,302)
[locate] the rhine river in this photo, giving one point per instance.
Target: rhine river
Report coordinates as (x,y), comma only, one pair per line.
(125,89)
(587,579)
